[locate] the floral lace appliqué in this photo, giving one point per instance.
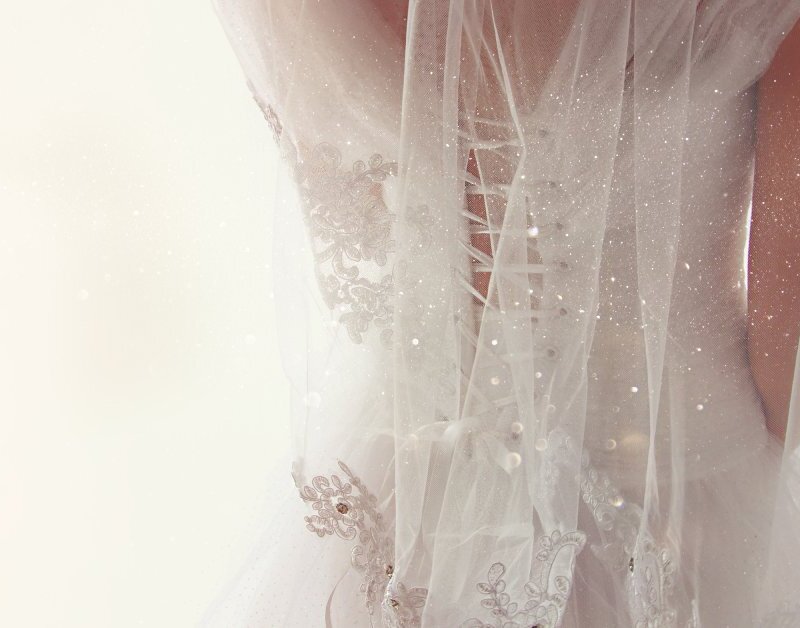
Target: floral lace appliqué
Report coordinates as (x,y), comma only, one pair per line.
(645,566)
(402,607)
(351,227)
(345,508)
(546,595)
(269,114)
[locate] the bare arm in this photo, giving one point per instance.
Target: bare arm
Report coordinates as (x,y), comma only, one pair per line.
(774,256)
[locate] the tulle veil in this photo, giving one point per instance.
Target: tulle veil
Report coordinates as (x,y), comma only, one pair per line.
(458,447)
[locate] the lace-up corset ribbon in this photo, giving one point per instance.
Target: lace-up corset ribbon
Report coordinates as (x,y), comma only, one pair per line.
(533,249)
(494,429)
(524,303)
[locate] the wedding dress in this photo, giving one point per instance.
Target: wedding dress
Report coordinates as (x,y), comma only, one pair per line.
(511,252)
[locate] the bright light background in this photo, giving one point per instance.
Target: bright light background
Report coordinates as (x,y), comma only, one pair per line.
(141,397)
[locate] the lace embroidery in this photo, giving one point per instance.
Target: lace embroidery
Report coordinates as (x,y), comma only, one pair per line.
(348,510)
(647,567)
(546,595)
(402,607)
(348,218)
(274,123)
(350,224)
(269,114)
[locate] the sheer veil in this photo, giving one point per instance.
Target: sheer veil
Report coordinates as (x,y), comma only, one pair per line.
(514,315)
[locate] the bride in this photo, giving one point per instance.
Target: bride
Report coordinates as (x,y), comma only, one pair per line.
(539,281)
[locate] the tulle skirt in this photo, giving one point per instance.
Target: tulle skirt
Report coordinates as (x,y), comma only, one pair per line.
(740,535)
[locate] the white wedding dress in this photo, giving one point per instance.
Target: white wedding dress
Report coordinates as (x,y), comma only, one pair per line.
(511,261)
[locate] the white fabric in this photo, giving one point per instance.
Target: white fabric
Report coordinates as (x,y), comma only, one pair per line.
(584,444)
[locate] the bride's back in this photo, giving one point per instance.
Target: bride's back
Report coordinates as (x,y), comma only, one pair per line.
(525,330)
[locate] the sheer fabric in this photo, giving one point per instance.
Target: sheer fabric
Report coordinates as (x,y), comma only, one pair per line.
(512,271)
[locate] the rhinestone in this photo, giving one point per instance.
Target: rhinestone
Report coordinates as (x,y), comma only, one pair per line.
(342,508)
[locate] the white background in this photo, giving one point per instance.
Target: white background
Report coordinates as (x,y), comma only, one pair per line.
(141,397)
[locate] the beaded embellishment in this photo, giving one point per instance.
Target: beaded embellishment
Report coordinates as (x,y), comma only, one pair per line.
(345,508)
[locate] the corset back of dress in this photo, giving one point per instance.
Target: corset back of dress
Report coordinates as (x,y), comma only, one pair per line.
(576,341)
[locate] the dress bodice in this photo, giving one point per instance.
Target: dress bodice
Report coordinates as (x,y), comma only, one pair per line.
(708,315)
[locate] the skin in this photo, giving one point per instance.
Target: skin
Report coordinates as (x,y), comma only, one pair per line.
(773,299)
(774,255)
